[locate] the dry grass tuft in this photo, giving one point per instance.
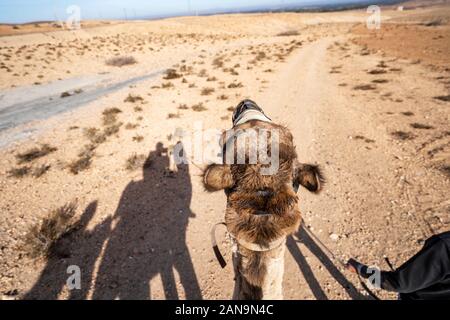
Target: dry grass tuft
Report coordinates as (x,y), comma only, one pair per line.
(35,153)
(288,33)
(235,85)
(173,115)
(110,116)
(138,138)
(167,85)
(112,129)
(39,171)
(199,107)
(121,61)
(94,135)
(207,91)
(172,74)
(84,160)
(416,125)
(19,172)
(135,162)
(42,236)
(365,87)
(402,135)
(131,126)
(133,98)
(443,98)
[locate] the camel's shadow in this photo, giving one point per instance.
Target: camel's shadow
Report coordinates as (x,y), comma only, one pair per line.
(145,238)
(307,272)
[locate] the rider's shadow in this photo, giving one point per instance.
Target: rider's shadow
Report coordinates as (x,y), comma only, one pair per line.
(149,235)
(81,247)
(307,272)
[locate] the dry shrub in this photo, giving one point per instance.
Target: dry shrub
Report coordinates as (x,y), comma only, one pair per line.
(416,125)
(138,138)
(207,91)
(173,115)
(364,87)
(235,85)
(167,85)
(199,107)
(133,98)
(288,33)
(402,135)
(84,160)
(218,62)
(380,81)
(42,236)
(222,97)
(183,107)
(35,153)
(131,126)
(112,129)
(110,116)
(39,171)
(94,135)
(135,162)
(172,74)
(121,61)
(443,98)
(433,23)
(19,172)
(377,71)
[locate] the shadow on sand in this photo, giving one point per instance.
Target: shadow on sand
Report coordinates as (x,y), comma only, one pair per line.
(315,249)
(145,238)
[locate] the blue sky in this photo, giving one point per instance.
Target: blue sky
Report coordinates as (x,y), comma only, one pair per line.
(19,11)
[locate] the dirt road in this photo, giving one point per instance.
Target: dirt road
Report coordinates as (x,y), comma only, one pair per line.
(144,232)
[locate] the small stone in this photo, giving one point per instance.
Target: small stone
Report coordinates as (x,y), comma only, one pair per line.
(334,237)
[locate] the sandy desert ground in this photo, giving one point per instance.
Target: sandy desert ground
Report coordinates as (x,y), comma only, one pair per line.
(370,106)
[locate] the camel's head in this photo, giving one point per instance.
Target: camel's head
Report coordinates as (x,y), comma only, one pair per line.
(260,176)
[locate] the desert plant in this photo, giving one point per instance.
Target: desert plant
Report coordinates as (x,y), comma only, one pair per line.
(207,91)
(39,171)
(199,107)
(133,98)
(94,135)
(43,235)
(84,160)
(443,98)
(416,125)
(110,116)
(138,138)
(121,61)
(135,162)
(402,135)
(35,153)
(364,87)
(172,74)
(288,33)
(19,172)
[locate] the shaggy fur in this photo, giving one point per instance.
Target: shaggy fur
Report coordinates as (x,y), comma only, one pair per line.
(261,208)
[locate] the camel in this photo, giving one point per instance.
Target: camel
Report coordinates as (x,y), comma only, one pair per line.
(262,209)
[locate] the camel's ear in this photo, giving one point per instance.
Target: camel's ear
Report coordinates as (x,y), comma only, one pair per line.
(217,177)
(309,176)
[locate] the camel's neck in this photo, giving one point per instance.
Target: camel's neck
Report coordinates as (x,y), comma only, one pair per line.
(259,275)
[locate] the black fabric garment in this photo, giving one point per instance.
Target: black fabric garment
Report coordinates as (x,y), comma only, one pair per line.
(426,275)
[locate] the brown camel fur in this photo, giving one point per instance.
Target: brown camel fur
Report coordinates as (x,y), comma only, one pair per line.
(262,210)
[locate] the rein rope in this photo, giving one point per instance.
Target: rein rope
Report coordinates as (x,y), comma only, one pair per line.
(276,244)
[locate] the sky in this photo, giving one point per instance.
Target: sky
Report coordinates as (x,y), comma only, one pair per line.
(20,11)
